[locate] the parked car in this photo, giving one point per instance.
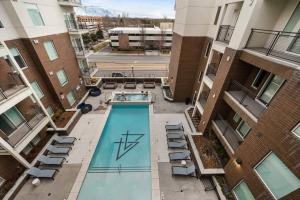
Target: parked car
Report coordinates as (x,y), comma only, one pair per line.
(118,74)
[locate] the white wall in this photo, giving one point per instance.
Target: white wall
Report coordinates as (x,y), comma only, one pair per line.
(8,32)
(50,11)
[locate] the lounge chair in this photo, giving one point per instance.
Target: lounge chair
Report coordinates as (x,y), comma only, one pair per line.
(58,150)
(181,155)
(42,173)
(50,160)
(110,85)
(149,85)
(184,170)
(170,127)
(181,144)
(178,135)
(64,140)
(130,85)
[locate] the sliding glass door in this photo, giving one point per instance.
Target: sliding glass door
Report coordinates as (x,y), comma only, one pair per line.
(11,120)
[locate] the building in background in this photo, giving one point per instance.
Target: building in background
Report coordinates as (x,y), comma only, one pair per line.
(143,38)
(91,20)
(238,61)
(44,70)
(166,25)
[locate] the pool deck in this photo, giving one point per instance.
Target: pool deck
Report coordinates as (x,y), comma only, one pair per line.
(88,130)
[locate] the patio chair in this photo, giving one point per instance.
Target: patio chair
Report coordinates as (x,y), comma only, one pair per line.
(181,144)
(180,155)
(42,173)
(186,170)
(130,85)
(58,150)
(64,140)
(178,135)
(110,85)
(45,160)
(170,127)
(149,85)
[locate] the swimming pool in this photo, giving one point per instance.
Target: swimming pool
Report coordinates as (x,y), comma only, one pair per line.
(121,164)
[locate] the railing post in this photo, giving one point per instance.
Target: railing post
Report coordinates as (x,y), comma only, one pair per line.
(273,43)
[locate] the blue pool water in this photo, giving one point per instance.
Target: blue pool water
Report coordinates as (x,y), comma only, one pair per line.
(121,164)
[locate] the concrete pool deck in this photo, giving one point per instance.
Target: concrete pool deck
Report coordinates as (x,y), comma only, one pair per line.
(88,130)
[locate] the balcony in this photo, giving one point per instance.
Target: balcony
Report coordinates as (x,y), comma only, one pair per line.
(76,28)
(225,33)
(279,44)
(226,134)
(13,88)
(244,97)
(71,3)
(33,121)
(81,52)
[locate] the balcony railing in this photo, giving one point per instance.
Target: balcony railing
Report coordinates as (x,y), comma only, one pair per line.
(232,137)
(246,98)
(71,24)
(284,45)
(13,84)
(71,1)
(34,118)
(225,33)
(212,71)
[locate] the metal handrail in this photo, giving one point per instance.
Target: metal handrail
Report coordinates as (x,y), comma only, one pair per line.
(225,33)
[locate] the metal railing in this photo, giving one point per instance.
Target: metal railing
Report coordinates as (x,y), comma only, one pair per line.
(12,83)
(137,73)
(71,24)
(35,115)
(246,98)
(281,44)
(232,137)
(71,1)
(225,33)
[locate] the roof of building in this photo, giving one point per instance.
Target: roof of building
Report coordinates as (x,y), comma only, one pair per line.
(155,30)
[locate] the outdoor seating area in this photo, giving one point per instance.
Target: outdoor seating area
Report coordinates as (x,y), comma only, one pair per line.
(53,158)
(180,160)
(110,85)
(130,85)
(149,85)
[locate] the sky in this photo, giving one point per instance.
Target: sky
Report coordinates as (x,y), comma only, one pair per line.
(137,8)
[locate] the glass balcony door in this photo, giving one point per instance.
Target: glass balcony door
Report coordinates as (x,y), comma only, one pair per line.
(11,120)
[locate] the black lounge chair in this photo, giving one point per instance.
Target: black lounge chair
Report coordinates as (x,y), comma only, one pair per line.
(130,85)
(85,108)
(149,85)
(94,92)
(110,85)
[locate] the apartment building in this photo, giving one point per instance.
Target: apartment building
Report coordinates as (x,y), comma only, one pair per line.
(133,38)
(43,67)
(238,61)
(93,21)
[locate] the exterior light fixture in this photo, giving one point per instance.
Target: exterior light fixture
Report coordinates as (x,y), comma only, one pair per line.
(239,161)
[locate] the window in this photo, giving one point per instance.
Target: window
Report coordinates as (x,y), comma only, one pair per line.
(243,129)
(50,111)
(36,140)
(242,192)
(217,15)
(27,149)
(38,91)
(1,26)
(271,89)
(259,78)
(293,21)
(10,121)
(50,49)
(2,180)
(34,14)
(296,130)
(62,77)
(276,176)
(18,57)
(208,49)
(236,118)
(71,98)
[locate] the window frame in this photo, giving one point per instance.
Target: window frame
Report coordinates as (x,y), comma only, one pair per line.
(208,49)
(39,12)
(1,26)
(53,45)
(51,109)
(261,179)
(260,71)
(67,79)
(73,96)
(240,124)
(294,129)
(217,16)
(40,89)
(239,118)
(22,58)
(241,181)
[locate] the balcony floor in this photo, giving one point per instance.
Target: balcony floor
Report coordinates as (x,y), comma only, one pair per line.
(278,54)
(249,103)
(12,91)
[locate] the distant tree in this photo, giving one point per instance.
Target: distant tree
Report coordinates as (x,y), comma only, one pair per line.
(86,39)
(94,37)
(99,34)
